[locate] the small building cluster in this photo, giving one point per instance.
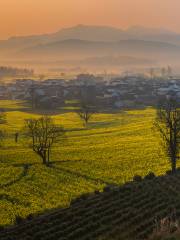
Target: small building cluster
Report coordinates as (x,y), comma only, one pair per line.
(117,92)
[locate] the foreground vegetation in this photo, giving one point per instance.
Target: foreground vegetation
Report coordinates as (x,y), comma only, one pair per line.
(132,211)
(111,150)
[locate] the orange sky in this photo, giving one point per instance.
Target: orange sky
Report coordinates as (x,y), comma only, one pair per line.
(24,17)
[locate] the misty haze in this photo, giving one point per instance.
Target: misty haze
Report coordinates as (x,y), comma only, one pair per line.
(94,48)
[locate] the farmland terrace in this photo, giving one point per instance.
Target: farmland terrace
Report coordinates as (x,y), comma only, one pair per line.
(129,211)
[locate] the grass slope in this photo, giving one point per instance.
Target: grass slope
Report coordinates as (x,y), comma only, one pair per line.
(119,213)
(113,149)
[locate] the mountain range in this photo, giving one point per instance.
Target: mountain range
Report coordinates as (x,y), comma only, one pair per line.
(82,41)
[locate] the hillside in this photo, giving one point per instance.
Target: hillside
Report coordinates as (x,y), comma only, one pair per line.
(114,148)
(124,213)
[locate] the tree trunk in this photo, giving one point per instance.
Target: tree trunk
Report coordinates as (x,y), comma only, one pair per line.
(44,157)
(44,160)
(173,165)
(85,122)
(48,155)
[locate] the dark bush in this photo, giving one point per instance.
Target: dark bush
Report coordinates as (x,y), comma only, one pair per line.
(150,176)
(107,188)
(30,217)
(173,229)
(169,172)
(84,196)
(96,192)
(28,238)
(1,228)
(38,236)
(170,238)
(10,238)
(19,220)
(137,178)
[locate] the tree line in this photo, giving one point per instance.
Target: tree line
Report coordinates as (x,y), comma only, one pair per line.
(10,72)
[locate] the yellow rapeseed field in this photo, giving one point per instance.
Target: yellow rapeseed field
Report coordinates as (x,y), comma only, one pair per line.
(111,150)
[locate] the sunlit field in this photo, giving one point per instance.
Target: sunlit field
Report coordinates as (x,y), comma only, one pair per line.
(111,150)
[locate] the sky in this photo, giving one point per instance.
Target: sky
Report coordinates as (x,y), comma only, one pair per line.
(28,17)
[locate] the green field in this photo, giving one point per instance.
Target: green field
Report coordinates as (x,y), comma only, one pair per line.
(113,149)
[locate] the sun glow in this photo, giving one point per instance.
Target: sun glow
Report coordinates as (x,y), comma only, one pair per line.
(26,17)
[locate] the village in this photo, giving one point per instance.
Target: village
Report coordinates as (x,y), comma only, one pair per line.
(113,93)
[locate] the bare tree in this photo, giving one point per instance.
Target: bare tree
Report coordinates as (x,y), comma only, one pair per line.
(169,71)
(2,121)
(85,112)
(44,133)
(2,136)
(87,103)
(152,73)
(168,124)
(163,72)
(33,98)
(86,109)
(2,117)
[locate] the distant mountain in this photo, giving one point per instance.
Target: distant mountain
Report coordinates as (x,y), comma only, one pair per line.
(92,33)
(95,41)
(108,61)
(143,31)
(115,61)
(75,48)
(105,33)
(95,33)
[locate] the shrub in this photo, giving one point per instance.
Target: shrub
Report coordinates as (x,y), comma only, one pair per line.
(170,238)
(107,188)
(84,196)
(150,176)
(96,192)
(169,172)
(137,178)
(30,217)
(1,228)
(10,238)
(18,220)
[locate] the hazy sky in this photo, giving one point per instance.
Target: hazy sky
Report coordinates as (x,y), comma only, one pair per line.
(24,17)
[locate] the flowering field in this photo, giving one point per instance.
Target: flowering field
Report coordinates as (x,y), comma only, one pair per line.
(111,150)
